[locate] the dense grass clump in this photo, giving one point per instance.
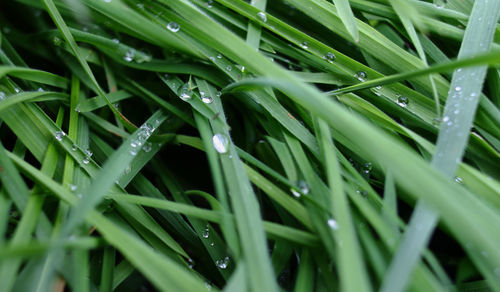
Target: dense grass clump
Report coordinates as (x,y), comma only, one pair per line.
(288,145)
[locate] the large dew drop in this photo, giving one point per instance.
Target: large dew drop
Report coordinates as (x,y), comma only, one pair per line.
(59,135)
(185,93)
(221,143)
(262,16)
(333,224)
(402,100)
(173,26)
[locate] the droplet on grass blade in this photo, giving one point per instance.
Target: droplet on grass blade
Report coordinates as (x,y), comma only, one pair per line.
(330,57)
(221,143)
(333,224)
(402,101)
(173,26)
(262,16)
(59,135)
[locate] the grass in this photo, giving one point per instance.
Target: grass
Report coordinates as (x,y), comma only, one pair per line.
(265,146)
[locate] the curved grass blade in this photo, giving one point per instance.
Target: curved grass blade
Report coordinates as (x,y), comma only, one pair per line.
(347,17)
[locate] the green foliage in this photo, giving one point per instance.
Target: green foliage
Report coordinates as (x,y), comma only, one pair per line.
(190,145)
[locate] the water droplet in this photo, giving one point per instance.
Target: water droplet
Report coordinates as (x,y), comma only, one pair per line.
(333,224)
(206,233)
(107,1)
(185,93)
(229,68)
(367,168)
(304,45)
(86,160)
(40,89)
(330,57)
(459,180)
(222,264)
(402,101)
(128,169)
(360,75)
(219,94)
(191,263)
(458,88)
(88,153)
(79,196)
(173,26)
(446,119)
(72,187)
(59,135)
(212,243)
(295,193)
(116,41)
(17,90)
(207,99)
(2,95)
(262,16)
(129,55)
(133,152)
(304,187)
(219,56)
(74,147)
(147,147)
(212,58)
(210,5)
(207,285)
(221,143)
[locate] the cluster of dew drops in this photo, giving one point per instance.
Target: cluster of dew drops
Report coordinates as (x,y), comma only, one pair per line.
(221,263)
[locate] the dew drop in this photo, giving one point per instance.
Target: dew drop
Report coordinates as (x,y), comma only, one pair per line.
(2,95)
(129,55)
(173,26)
(128,169)
(74,147)
(229,68)
(219,56)
(330,57)
(212,243)
(40,89)
(147,147)
(402,101)
(304,187)
(210,5)
(185,93)
(221,143)
(304,45)
(262,16)
(367,168)
(59,135)
(86,160)
(207,99)
(191,263)
(72,187)
(133,152)
(458,88)
(88,153)
(107,1)
(116,41)
(333,224)
(206,233)
(446,119)
(360,75)
(295,193)
(223,263)
(459,180)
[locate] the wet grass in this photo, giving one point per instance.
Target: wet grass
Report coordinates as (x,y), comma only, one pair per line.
(275,145)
